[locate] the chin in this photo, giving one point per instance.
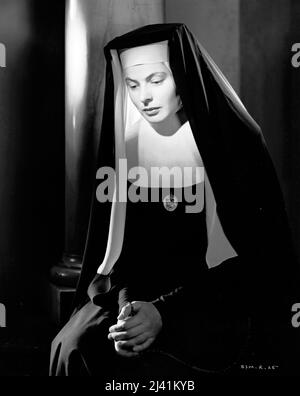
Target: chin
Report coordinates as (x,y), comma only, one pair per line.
(155,120)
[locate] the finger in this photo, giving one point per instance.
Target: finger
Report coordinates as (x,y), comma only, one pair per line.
(136,305)
(136,341)
(126,335)
(125,353)
(116,336)
(133,321)
(130,309)
(127,324)
(143,346)
(117,327)
(125,311)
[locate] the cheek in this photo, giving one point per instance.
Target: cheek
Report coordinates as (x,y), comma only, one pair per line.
(170,97)
(134,98)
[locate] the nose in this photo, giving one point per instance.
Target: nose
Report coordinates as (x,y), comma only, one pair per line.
(145,95)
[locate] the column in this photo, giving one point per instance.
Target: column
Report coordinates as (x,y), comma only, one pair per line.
(89,26)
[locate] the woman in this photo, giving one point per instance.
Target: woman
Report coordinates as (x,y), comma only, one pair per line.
(176,281)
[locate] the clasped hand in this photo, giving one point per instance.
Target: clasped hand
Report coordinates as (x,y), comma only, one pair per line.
(133,334)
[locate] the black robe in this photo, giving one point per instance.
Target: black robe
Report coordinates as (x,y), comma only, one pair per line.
(250,204)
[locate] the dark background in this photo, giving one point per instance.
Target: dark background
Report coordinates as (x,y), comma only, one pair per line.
(31,174)
(32,148)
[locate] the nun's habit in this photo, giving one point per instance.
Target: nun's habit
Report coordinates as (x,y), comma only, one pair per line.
(220,277)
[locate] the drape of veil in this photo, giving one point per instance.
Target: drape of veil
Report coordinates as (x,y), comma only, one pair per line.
(219,248)
(247,215)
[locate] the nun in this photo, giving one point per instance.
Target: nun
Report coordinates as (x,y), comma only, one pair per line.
(188,263)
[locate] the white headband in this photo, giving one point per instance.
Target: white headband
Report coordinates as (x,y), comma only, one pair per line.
(151,53)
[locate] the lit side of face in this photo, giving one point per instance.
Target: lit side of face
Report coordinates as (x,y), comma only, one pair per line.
(152,90)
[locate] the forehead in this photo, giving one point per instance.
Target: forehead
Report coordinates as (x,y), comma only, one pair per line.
(141,72)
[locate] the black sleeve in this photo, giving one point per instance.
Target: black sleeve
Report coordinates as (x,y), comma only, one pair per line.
(223,290)
(111,289)
(101,291)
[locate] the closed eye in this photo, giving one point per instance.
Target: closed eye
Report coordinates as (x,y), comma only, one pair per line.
(156,82)
(132,84)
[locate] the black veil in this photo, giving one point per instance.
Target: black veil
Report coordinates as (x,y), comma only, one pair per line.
(250,201)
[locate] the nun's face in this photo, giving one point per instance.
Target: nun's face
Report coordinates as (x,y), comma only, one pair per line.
(152,90)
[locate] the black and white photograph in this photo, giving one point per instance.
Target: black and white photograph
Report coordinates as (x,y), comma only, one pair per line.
(150,191)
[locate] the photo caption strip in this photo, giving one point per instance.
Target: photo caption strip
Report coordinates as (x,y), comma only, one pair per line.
(151,386)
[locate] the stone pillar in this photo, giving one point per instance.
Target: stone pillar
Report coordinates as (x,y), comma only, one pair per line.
(89,26)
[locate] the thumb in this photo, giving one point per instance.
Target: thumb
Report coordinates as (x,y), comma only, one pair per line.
(125,312)
(137,305)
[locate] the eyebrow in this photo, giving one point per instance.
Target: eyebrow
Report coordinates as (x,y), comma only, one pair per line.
(148,78)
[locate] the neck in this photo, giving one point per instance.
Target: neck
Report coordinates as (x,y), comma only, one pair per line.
(170,125)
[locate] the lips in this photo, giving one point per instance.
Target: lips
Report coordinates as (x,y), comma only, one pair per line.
(151,110)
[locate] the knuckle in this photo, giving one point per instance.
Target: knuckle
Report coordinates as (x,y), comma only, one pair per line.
(123,327)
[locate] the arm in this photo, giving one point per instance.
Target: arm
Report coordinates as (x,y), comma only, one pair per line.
(216,294)
(111,288)
(211,300)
